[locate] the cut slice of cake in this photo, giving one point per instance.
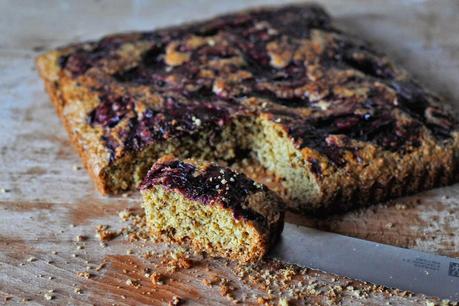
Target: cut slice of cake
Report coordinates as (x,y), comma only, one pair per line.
(334,120)
(213,208)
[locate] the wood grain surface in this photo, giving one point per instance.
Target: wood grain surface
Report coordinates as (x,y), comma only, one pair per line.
(47,200)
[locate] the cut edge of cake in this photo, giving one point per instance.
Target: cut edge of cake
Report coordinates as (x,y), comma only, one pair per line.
(308,183)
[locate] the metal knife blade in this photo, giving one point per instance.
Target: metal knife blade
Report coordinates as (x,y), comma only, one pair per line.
(377,263)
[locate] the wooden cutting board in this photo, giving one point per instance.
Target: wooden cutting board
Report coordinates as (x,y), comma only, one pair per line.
(47,201)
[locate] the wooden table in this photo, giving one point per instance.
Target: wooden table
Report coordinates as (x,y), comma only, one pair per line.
(47,200)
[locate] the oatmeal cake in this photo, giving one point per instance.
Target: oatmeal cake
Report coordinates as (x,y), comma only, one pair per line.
(335,121)
(214,208)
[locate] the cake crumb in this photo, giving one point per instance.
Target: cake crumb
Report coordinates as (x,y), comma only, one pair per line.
(100,267)
(80,238)
(225,289)
(104,234)
(77,290)
(31,259)
(178,260)
(124,215)
(210,282)
(133,282)
(262,300)
(157,278)
(86,275)
(49,296)
(206,282)
(147,272)
(283,302)
(175,301)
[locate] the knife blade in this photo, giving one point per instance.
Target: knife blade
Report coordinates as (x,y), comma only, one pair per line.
(377,263)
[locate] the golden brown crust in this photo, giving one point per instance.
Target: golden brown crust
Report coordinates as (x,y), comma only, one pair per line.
(51,81)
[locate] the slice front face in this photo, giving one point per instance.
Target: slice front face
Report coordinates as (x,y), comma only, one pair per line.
(212,208)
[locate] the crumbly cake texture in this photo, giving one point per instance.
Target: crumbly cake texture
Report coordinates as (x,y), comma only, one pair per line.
(336,122)
(213,208)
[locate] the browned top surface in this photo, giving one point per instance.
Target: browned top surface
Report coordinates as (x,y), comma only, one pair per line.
(48,201)
(329,90)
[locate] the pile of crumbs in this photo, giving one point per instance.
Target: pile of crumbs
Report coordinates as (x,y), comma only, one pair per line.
(267,283)
(282,284)
(288,283)
(137,229)
(178,260)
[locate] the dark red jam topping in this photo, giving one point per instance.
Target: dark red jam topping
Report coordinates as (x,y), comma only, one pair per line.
(207,186)
(173,119)
(111,110)
(194,103)
(82,59)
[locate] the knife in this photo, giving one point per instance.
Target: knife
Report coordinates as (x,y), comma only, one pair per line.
(368,261)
